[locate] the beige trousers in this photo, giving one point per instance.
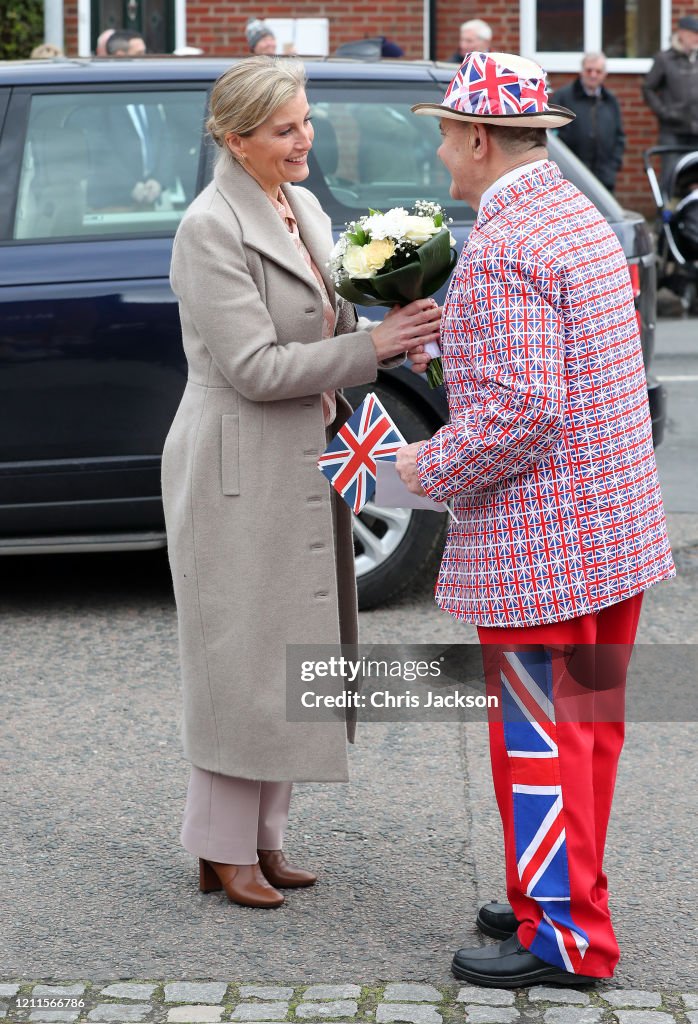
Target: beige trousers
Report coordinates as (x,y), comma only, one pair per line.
(227,819)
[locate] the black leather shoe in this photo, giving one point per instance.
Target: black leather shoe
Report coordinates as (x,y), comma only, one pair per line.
(496,920)
(510,965)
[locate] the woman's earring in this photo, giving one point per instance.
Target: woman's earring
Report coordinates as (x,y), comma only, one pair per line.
(239,156)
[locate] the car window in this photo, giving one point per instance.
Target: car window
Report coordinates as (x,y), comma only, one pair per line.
(105,163)
(371,151)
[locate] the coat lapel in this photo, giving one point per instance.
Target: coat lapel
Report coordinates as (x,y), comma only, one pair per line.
(262,228)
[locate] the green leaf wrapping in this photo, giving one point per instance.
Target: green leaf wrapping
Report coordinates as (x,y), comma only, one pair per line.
(431,266)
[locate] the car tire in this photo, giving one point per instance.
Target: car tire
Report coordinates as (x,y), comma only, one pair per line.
(393,548)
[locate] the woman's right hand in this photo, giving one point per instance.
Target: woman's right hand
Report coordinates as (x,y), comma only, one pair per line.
(406,327)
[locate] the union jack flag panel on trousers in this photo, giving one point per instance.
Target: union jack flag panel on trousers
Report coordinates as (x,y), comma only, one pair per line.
(349,461)
(548,453)
(530,737)
(482,87)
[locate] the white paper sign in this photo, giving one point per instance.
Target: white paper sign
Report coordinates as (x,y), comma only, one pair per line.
(305,36)
(392,493)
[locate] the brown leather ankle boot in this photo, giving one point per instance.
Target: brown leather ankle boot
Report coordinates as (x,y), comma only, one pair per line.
(243,883)
(278,871)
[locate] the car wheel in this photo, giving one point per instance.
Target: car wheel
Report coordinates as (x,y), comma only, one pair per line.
(393,547)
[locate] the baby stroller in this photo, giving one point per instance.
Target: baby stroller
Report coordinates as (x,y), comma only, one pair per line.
(677,220)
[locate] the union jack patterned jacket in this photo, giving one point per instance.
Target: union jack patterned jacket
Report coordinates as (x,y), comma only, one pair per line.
(548,453)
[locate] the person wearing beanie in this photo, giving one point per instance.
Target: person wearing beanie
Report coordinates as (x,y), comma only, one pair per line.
(260,37)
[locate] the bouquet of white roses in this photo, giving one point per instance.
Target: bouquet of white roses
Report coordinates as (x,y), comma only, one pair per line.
(393,258)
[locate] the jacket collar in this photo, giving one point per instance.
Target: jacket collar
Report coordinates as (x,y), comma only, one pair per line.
(677,50)
(263,229)
(539,178)
(581,93)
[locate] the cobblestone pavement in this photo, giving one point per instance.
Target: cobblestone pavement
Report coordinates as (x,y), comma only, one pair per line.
(177,1002)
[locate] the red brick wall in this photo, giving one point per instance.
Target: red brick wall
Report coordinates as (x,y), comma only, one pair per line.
(500,15)
(219,27)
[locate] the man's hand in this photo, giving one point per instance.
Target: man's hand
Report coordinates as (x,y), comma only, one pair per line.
(419,359)
(406,463)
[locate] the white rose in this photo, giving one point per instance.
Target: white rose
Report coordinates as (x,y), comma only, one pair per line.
(419,229)
(355,262)
(378,252)
(365,260)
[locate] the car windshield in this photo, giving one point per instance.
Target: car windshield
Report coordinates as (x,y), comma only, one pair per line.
(370,151)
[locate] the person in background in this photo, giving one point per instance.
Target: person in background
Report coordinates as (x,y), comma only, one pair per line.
(474,35)
(260,37)
(670,89)
(131,159)
(596,135)
(102,38)
(390,48)
(46,51)
(125,43)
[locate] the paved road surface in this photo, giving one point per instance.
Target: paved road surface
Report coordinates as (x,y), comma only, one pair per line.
(94,884)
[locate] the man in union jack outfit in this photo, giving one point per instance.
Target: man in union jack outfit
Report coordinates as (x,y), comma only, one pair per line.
(549,462)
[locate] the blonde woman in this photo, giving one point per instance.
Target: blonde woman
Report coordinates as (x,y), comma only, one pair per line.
(260,551)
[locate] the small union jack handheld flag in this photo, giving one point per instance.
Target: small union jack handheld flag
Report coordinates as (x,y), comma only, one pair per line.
(349,461)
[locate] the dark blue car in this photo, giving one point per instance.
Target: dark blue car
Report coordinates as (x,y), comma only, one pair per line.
(91,363)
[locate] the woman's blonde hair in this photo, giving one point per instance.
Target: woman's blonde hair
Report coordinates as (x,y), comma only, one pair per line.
(249,92)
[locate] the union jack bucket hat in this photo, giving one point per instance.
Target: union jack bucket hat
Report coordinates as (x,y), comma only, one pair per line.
(499,88)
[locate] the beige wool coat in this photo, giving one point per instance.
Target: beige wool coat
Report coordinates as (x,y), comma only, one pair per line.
(260,548)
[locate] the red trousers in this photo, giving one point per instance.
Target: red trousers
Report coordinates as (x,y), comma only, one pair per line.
(554,772)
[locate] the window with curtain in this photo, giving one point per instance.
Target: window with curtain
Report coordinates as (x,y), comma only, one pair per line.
(631,28)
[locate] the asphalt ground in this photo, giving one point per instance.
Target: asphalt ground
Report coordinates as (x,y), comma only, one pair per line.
(94,884)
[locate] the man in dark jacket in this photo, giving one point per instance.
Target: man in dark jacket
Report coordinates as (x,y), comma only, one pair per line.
(671,90)
(596,134)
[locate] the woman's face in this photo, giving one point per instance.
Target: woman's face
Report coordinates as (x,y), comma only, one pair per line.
(278,149)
